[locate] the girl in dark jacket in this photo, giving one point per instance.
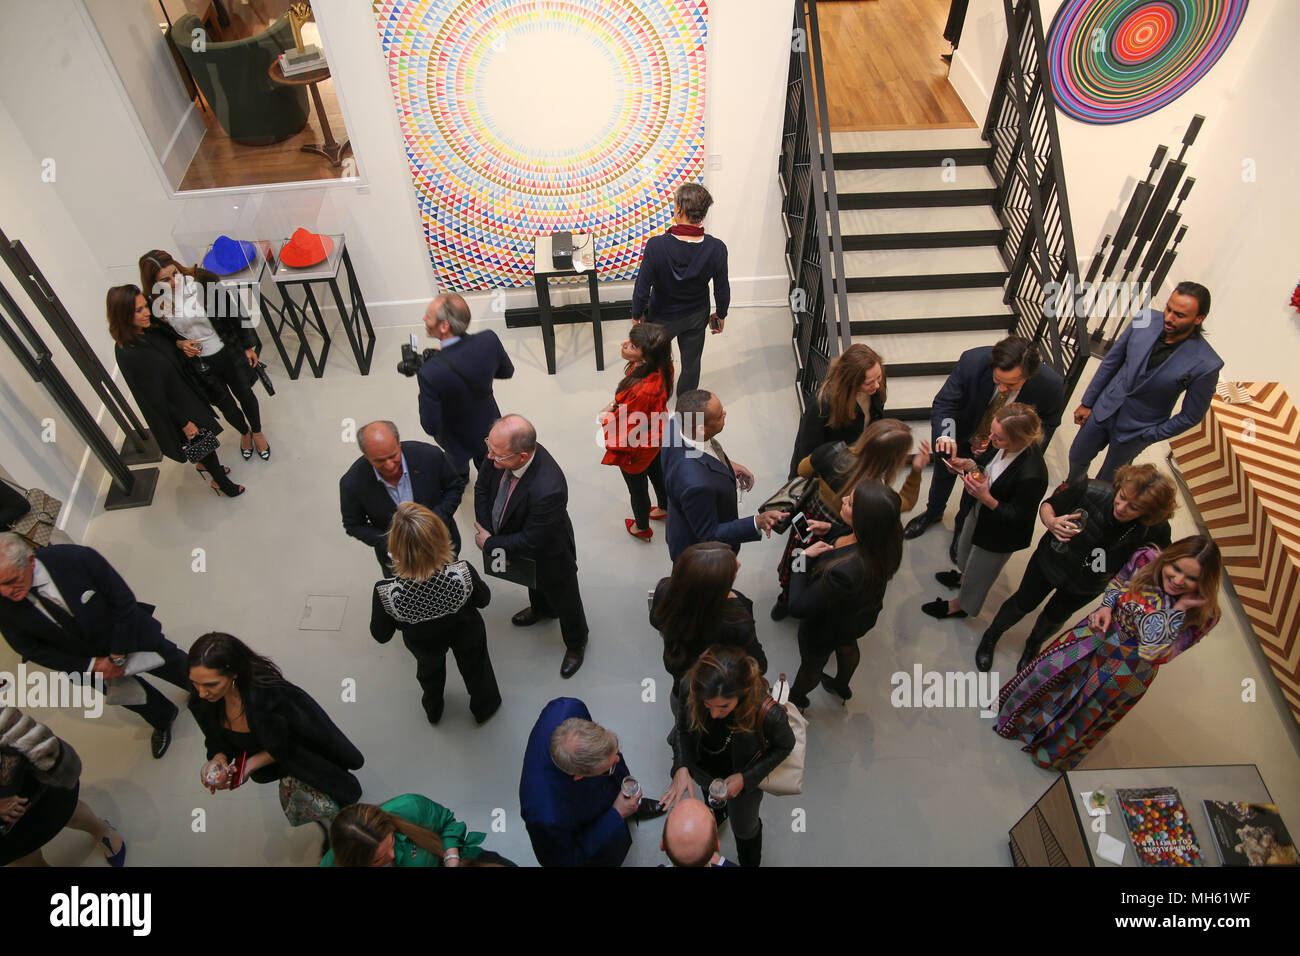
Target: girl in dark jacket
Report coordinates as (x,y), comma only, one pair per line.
(207,326)
(151,366)
(838,588)
(719,737)
(257,724)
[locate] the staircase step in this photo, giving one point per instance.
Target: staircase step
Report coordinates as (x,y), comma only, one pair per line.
(914,369)
(903,158)
(901,348)
(926,304)
(925,240)
(920,219)
(896,262)
(995,322)
(851,141)
(912,283)
(919,197)
(911,391)
(913,179)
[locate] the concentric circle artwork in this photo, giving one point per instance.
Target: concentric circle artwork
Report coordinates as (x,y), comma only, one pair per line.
(1115,60)
(523,117)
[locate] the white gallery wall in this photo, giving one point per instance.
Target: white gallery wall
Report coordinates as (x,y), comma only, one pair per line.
(107,202)
(1240,215)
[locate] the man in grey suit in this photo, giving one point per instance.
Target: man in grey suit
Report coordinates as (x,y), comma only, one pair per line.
(1129,403)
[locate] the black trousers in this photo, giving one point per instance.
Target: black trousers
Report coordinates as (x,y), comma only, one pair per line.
(638,488)
(467,641)
(561,598)
(689,333)
(230,369)
(157,709)
(1035,586)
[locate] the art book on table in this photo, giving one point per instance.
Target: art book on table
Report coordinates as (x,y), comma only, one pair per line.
(1250,834)
(1158,827)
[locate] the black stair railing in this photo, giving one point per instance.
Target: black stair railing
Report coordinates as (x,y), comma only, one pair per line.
(814,252)
(1031,197)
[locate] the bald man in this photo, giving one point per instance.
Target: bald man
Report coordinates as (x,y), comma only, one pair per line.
(691,836)
(457,406)
(521,506)
(389,472)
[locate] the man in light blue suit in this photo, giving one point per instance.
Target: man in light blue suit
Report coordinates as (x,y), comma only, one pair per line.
(1130,401)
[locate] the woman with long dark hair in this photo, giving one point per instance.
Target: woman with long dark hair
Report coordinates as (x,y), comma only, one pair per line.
(633,422)
(838,588)
(406,831)
(851,398)
(257,724)
(698,607)
(725,732)
(1068,697)
(152,368)
(207,328)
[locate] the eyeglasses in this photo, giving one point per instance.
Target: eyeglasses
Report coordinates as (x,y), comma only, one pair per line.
(498,458)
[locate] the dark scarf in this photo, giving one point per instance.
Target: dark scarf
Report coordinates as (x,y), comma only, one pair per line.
(681,230)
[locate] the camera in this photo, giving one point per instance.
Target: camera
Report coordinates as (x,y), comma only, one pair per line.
(411,359)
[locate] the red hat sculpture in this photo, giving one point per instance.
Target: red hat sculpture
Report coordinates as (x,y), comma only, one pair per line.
(305,249)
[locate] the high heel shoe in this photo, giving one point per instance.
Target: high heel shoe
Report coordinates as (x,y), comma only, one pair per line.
(630,524)
(231,490)
(246,453)
(118,858)
(263,453)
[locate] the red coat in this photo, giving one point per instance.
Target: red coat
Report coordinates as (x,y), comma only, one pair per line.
(633,431)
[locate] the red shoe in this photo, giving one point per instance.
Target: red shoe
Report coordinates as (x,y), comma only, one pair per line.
(658,514)
(630,524)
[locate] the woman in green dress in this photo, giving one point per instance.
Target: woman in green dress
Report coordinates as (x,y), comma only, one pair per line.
(409,830)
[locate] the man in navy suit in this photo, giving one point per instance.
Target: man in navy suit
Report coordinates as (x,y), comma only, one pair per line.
(521,507)
(389,472)
(691,836)
(66,609)
(457,406)
(983,380)
(1129,402)
(570,790)
(701,480)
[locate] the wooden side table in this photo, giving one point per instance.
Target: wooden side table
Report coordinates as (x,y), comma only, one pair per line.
(331,150)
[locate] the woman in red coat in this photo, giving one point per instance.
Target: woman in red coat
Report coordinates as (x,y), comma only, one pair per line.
(634,421)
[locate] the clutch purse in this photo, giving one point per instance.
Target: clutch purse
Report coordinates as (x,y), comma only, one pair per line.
(200,446)
(260,370)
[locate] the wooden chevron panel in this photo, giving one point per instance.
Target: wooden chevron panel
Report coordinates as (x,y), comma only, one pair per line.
(1242,466)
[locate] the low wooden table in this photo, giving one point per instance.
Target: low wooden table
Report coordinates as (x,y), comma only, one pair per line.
(331,150)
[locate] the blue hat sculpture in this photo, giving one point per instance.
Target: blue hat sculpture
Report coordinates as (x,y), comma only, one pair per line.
(229,256)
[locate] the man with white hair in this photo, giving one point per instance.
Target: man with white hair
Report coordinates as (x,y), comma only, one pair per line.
(66,609)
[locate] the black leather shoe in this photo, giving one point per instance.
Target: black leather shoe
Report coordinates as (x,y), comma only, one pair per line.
(832,685)
(952,550)
(527,617)
(916,527)
(436,716)
(1026,658)
(780,610)
(648,809)
(572,661)
(949,579)
(488,716)
(161,739)
(939,608)
(984,653)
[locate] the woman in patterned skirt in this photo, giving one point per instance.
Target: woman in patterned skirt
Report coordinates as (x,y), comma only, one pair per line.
(1069,696)
(434,601)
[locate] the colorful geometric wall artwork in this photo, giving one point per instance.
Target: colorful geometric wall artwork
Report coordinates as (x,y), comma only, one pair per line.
(523,117)
(1115,60)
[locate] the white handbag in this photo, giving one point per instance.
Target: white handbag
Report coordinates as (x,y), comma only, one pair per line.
(787,779)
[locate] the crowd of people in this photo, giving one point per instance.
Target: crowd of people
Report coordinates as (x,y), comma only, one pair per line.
(730,731)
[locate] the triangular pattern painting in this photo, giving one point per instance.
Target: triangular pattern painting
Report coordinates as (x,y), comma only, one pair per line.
(523,117)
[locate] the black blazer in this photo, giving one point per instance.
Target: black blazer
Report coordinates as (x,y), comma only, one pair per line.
(152,370)
(435,483)
(701,497)
(108,617)
(383,625)
(460,413)
(835,607)
(297,732)
(814,430)
(745,756)
(1019,491)
(536,523)
(965,396)
(733,631)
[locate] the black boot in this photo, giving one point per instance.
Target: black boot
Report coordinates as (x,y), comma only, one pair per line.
(1034,642)
(984,653)
(1007,617)
(750,851)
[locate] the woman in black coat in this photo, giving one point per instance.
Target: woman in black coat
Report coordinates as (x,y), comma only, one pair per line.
(257,724)
(207,326)
(435,603)
(697,608)
(851,398)
(727,731)
(1007,481)
(838,588)
(153,370)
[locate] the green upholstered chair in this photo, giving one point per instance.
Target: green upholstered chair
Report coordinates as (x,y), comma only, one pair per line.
(251,107)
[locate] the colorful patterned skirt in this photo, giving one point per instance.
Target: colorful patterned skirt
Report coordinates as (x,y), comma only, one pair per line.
(1069,696)
(303,803)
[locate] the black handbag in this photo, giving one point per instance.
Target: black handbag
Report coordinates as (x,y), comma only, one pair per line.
(516,570)
(200,446)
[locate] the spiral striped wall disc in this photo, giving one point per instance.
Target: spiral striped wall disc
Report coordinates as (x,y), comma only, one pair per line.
(1115,60)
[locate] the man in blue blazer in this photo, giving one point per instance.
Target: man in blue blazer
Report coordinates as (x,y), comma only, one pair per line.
(1129,402)
(457,406)
(66,609)
(701,480)
(569,792)
(389,472)
(983,380)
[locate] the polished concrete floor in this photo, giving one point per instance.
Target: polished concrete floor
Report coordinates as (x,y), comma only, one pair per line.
(884,785)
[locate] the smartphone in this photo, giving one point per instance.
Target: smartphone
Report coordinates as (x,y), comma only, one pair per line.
(799,524)
(713,323)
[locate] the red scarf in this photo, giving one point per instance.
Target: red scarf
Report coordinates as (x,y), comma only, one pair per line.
(680,230)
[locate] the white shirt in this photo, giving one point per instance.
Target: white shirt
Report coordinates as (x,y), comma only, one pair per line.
(519,472)
(44,585)
(189,319)
(999,464)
